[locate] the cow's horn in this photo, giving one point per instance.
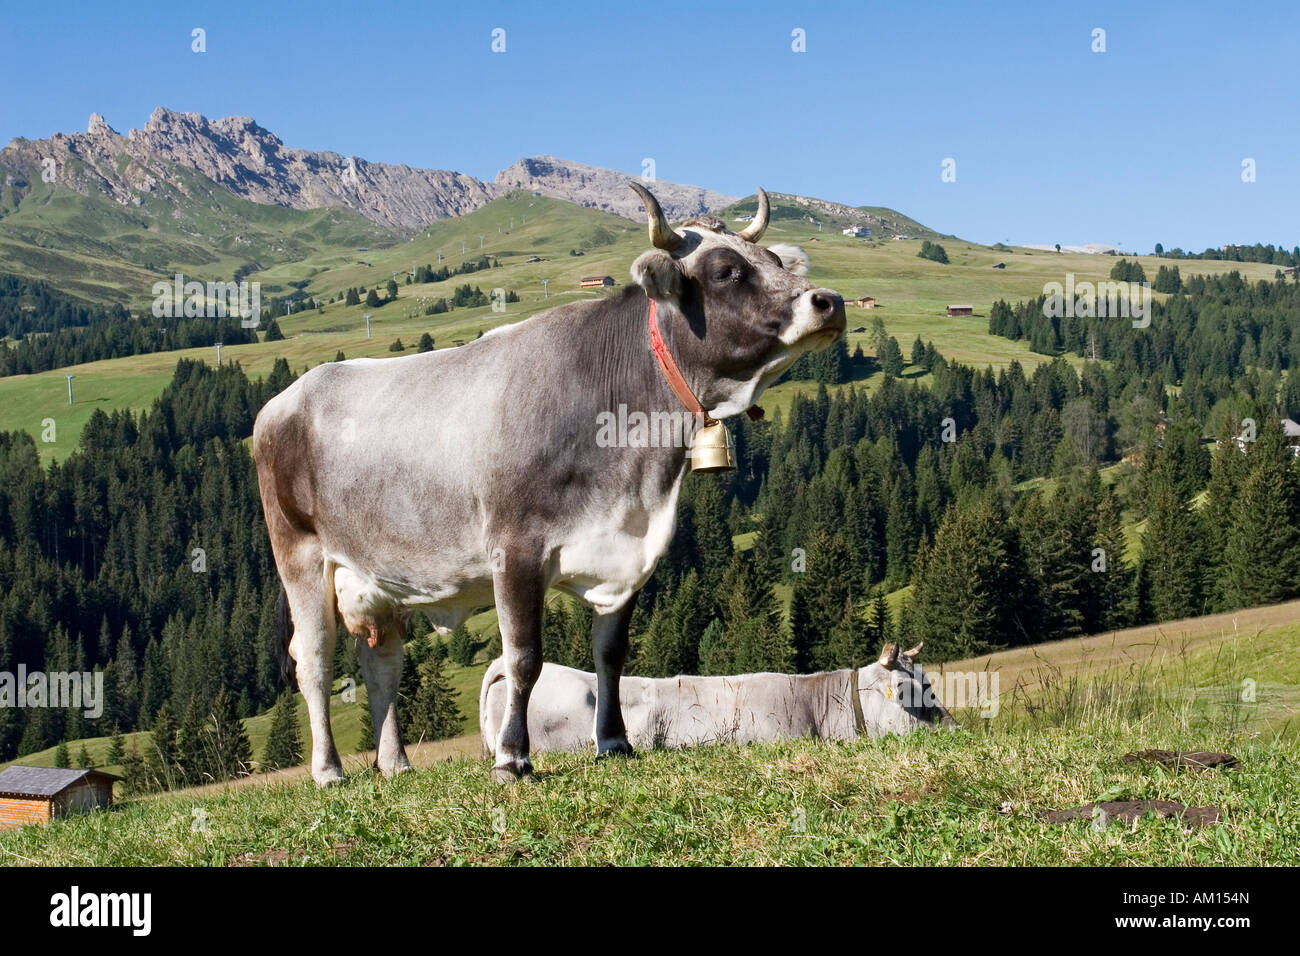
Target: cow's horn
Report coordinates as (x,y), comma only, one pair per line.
(754,231)
(911,655)
(663,236)
(889,656)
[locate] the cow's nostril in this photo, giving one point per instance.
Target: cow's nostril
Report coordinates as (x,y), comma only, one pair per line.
(826,303)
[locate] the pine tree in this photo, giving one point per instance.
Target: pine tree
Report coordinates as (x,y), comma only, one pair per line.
(367,741)
(426,342)
(1172,569)
(1261,559)
(434,714)
(191,757)
(133,775)
(848,642)
(821,592)
(716,658)
(671,644)
(116,748)
(967,593)
(225,740)
(283,743)
(61,758)
(160,759)
(879,627)
(1114,576)
(83,758)
(461,647)
(127,689)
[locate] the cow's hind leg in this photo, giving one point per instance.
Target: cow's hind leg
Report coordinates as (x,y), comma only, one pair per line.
(519,593)
(381,666)
(609,649)
(306,578)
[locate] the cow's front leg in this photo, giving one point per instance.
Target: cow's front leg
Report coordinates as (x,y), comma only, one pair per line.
(609,649)
(520,589)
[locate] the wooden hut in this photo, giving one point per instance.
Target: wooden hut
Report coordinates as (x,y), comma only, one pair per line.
(40,794)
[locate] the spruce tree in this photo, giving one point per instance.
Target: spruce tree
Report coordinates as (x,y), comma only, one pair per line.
(367,741)
(1172,561)
(716,658)
(160,759)
(433,714)
(116,748)
(822,591)
(133,775)
(191,757)
(1114,578)
(61,757)
(283,743)
(1261,558)
(967,594)
(83,758)
(848,642)
(461,647)
(225,740)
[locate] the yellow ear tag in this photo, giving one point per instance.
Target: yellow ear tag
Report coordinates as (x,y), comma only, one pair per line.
(889,691)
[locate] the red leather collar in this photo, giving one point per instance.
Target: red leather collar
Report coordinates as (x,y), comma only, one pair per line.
(673,375)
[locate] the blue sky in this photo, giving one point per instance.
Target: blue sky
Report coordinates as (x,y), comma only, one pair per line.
(1140,144)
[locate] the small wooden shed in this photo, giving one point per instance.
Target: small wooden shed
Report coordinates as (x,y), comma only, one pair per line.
(961,310)
(40,794)
(590,281)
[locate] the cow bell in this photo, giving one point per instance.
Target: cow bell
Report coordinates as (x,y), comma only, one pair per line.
(711,449)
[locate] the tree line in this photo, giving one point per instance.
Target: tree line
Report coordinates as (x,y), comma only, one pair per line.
(968,511)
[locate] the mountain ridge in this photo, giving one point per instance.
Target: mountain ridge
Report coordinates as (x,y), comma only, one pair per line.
(255,164)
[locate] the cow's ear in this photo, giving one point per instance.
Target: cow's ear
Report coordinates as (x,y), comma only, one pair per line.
(659,274)
(792,257)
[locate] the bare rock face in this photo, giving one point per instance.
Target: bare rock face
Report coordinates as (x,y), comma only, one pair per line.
(606,189)
(252,162)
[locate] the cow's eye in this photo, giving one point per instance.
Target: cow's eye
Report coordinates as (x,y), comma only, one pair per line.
(727,273)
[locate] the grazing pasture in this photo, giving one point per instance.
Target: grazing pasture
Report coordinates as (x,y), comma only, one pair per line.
(911,294)
(1071,711)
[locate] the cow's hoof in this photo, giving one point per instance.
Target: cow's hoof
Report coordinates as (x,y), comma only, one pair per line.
(328,776)
(617,747)
(512,772)
(394,766)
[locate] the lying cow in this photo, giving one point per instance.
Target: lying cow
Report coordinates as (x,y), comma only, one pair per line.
(891,696)
(448,481)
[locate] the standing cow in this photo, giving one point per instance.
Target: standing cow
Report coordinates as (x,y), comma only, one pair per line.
(453,480)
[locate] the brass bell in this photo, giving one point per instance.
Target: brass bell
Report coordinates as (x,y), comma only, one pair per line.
(711,449)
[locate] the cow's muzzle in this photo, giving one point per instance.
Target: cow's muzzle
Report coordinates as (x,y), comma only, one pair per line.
(826,313)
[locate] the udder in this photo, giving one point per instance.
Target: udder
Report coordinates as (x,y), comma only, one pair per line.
(366,609)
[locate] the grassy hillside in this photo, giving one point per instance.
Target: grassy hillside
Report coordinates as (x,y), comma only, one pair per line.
(912,296)
(969,797)
(96,248)
(345,718)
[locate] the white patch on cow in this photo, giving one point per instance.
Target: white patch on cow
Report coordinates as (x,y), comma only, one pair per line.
(609,555)
(748,392)
(805,327)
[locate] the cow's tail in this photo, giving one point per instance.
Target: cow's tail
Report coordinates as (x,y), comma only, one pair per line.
(496,672)
(283,634)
